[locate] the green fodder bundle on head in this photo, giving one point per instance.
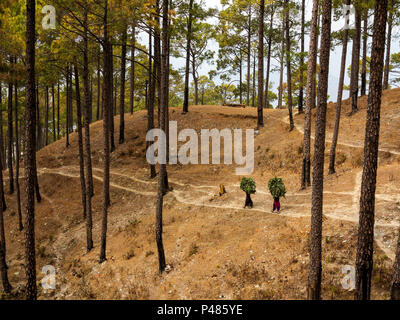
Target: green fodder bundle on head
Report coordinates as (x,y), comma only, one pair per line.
(277,187)
(248,185)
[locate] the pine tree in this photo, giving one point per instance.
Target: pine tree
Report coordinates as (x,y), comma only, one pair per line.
(122,93)
(355,62)
(288,65)
(80,140)
(364,260)
(339,99)
(260,120)
(315,267)
(29,154)
(17,159)
(188,46)
(108,103)
(312,54)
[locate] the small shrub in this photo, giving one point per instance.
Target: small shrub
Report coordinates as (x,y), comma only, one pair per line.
(134,222)
(300,149)
(41,251)
(357,159)
(327,240)
(340,158)
(130,254)
(149,253)
(333,291)
(193,249)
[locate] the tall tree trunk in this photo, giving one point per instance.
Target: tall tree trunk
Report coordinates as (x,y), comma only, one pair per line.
(365,246)
(3,263)
(112,106)
(253,91)
(122,93)
(46,117)
(80,140)
(53,112)
(314,91)
(98,86)
(280,93)
(68,84)
(339,101)
(115,85)
(364,59)
(195,81)
(38,141)
(150,104)
(108,103)
(88,157)
(17,156)
(132,80)
(288,66)
(163,109)
(58,110)
(90,115)
(29,155)
(266,96)
(71,106)
(187,67)
(10,138)
(388,46)
(2,157)
(166,185)
(301,89)
(248,55)
(39,127)
(260,107)
(157,59)
(240,80)
(355,62)
(3,198)
(315,267)
(87,114)
(306,167)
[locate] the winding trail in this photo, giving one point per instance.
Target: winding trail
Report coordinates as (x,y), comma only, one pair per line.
(189,195)
(329,138)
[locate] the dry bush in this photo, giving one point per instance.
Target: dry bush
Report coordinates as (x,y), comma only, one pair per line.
(129,254)
(382,272)
(193,249)
(247,273)
(340,158)
(385,155)
(263,294)
(138,291)
(357,158)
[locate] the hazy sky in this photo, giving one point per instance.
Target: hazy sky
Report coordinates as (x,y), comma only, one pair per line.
(335,58)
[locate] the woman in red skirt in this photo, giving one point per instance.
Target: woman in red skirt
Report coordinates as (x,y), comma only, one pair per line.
(276,205)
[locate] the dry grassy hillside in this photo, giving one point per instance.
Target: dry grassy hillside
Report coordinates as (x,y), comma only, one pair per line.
(214,248)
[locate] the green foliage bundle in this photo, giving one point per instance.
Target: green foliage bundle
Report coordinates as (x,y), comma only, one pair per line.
(248,185)
(277,187)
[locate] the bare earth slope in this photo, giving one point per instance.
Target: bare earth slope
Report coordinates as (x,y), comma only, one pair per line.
(215,249)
